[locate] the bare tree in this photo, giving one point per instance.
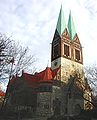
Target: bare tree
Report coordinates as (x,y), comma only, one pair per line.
(5,44)
(13,58)
(91,75)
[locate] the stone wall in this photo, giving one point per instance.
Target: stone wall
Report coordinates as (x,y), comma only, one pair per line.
(44,104)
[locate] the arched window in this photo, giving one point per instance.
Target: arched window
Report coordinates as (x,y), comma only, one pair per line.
(66,50)
(77,54)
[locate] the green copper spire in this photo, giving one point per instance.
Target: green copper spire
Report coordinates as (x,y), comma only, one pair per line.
(61,22)
(71,27)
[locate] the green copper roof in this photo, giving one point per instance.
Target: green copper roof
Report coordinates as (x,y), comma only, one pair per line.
(71,27)
(61,22)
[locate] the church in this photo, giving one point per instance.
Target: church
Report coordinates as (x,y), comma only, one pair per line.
(61,89)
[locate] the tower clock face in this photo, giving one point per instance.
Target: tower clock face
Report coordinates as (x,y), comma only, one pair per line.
(55,64)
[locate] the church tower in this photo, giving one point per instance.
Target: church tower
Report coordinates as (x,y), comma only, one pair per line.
(66,49)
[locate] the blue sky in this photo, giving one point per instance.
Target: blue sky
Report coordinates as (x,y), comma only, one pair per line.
(33,23)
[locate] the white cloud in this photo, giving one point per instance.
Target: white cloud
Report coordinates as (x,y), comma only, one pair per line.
(32,22)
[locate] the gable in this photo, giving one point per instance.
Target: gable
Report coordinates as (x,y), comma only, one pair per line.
(66,34)
(76,39)
(73,89)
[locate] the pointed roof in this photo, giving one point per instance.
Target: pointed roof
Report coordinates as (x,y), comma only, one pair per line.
(46,75)
(43,76)
(71,27)
(61,22)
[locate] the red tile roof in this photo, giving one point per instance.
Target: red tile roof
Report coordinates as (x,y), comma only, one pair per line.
(2,93)
(32,80)
(43,76)
(46,75)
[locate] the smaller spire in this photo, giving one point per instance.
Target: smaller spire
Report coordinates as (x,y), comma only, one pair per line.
(71,27)
(61,22)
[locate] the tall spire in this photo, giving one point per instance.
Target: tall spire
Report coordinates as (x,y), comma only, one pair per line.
(61,22)
(71,27)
